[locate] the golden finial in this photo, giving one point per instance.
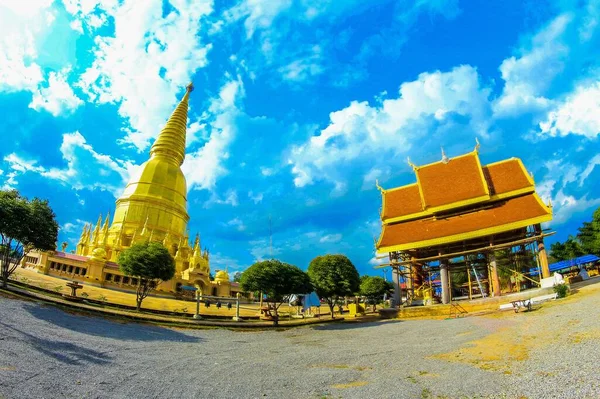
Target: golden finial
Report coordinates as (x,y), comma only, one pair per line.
(412,165)
(549,202)
(477,145)
(197,242)
(445,158)
(378,186)
(190,87)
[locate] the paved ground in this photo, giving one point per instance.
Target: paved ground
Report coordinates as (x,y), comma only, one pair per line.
(551,352)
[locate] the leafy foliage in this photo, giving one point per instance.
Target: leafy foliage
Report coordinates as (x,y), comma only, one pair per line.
(150,263)
(589,235)
(586,242)
(374,287)
(570,249)
(24,225)
(333,276)
(276,280)
(237,277)
(561,290)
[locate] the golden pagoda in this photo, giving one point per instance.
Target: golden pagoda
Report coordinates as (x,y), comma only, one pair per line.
(153,207)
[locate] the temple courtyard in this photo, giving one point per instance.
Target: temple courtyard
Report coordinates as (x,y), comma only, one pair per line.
(550,352)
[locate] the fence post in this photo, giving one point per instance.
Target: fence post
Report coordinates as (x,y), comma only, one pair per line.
(237,308)
(197,315)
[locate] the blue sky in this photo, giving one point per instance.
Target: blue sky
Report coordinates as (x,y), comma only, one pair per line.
(299,107)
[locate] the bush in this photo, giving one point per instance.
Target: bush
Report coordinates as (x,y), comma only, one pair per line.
(561,290)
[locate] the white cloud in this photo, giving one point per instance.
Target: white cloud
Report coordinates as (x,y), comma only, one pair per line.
(331,238)
(256,198)
(263,249)
(231,198)
(528,77)
(204,166)
(86,168)
(91,13)
(143,67)
(267,171)
(595,161)
(237,223)
(73,227)
(58,98)
(303,68)
(219,261)
(21,23)
(567,205)
(557,187)
(579,114)
(257,14)
(362,131)
(590,20)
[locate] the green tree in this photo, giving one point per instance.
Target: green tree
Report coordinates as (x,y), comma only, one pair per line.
(589,235)
(276,280)
(24,225)
(333,276)
(150,263)
(237,276)
(570,249)
(373,288)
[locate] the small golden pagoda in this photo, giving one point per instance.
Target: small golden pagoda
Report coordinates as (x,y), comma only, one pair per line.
(458,213)
(153,207)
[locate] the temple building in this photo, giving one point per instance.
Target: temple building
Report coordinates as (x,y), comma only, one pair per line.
(456,220)
(153,207)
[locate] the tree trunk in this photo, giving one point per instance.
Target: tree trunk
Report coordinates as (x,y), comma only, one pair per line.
(331,307)
(275,316)
(139,305)
(4,280)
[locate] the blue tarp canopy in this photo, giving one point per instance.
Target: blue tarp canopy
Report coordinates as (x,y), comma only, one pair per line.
(188,288)
(565,264)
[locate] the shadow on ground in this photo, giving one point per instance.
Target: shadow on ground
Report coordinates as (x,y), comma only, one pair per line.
(346,325)
(99,326)
(65,352)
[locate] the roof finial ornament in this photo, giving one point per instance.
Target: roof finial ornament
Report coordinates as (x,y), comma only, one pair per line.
(445,159)
(549,202)
(477,145)
(190,87)
(378,186)
(412,165)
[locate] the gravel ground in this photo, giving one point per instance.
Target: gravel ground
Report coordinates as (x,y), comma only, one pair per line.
(551,352)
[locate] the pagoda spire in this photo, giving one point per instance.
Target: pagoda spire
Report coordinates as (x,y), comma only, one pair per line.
(105,229)
(97,229)
(170,143)
(83,234)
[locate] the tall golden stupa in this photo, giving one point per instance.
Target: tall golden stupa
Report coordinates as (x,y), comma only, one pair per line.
(153,207)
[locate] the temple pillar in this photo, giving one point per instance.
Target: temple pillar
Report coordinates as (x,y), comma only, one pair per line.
(542,252)
(495,281)
(445,281)
(397,290)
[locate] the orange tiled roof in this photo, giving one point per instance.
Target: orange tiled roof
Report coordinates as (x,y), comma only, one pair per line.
(460,182)
(402,201)
(506,176)
(503,216)
(459,179)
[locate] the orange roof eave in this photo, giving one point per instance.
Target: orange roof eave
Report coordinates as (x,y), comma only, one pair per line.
(463,236)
